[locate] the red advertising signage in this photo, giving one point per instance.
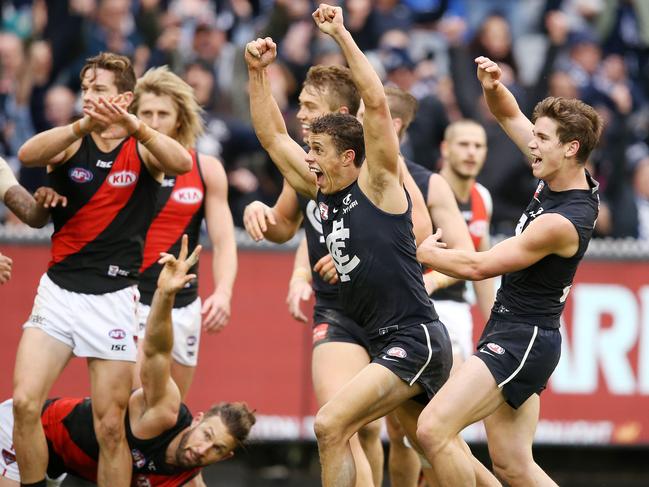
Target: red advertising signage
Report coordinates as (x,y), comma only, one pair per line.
(599,393)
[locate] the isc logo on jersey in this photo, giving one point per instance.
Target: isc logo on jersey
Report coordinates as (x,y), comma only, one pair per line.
(122,179)
(80,175)
(187,196)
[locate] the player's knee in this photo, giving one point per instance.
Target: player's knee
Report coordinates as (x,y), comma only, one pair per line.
(511,468)
(109,429)
(26,407)
(431,433)
(327,428)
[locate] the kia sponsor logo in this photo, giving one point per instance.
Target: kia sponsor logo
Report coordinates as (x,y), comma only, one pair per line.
(397,352)
(495,348)
(80,175)
(187,196)
(122,179)
(117,334)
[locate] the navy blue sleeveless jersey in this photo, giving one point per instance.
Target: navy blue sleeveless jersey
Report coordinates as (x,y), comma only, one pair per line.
(538,293)
(73,446)
(99,236)
(180,210)
(381,283)
(421,175)
(326,295)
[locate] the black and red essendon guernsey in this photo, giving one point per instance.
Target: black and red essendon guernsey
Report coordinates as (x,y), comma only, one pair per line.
(180,209)
(99,237)
(73,447)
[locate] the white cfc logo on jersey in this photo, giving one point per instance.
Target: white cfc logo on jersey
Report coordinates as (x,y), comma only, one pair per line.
(336,245)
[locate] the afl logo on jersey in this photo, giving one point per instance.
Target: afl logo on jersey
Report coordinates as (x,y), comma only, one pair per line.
(494,347)
(80,175)
(117,334)
(121,179)
(187,196)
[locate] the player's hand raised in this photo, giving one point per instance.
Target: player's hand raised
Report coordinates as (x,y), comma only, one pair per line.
(173,276)
(260,53)
(489,73)
(329,19)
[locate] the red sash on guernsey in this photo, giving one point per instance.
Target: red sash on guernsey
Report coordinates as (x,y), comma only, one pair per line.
(102,208)
(62,444)
(185,200)
(478,226)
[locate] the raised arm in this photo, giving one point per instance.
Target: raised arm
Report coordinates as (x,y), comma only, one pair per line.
(220,228)
(503,105)
(157,402)
(268,122)
(381,142)
(277,224)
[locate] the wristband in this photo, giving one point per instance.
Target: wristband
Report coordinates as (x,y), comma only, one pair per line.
(77,130)
(144,134)
(7,178)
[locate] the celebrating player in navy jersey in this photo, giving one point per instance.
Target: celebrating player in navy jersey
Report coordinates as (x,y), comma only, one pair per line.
(521,344)
(366,219)
(167,446)
(166,103)
(109,165)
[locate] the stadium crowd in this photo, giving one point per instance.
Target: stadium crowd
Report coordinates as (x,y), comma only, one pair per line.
(595,50)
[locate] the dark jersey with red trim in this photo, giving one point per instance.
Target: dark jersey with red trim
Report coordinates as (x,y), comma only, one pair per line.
(381,283)
(99,236)
(180,209)
(326,295)
(537,294)
(73,446)
(476,213)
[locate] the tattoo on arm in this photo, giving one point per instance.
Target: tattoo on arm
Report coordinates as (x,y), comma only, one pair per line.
(24,206)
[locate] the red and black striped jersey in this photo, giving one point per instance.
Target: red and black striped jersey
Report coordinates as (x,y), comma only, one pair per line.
(180,209)
(99,236)
(73,446)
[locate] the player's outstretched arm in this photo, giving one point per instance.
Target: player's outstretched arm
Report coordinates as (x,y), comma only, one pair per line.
(503,105)
(277,224)
(268,122)
(548,234)
(158,400)
(381,142)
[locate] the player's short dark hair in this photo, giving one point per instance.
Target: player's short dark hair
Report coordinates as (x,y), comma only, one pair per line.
(345,131)
(575,121)
(120,66)
(336,83)
(235,416)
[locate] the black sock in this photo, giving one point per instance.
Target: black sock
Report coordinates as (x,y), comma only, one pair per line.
(41,483)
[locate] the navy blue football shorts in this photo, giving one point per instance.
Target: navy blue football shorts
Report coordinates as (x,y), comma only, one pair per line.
(520,355)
